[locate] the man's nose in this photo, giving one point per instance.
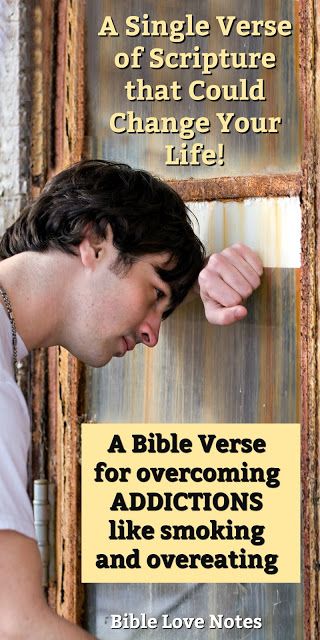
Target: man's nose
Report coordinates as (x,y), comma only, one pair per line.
(149,329)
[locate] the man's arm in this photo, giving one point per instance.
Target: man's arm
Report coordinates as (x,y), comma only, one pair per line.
(226,281)
(24,613)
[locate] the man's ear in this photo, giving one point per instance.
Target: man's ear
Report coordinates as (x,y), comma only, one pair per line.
(93,248)
(90,249)
(88,254)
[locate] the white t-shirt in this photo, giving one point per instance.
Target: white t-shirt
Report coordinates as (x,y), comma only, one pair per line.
(15,506)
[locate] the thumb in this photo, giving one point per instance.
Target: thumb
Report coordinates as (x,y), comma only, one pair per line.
(225,315)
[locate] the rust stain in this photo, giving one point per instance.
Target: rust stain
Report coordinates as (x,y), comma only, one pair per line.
(298,350)
(39,412)
(57,140)
(310,67)
(69,106)
(68,485)
(42,91)
(66,370)
(238,187)
(60,81)
(52,445)
(41,125)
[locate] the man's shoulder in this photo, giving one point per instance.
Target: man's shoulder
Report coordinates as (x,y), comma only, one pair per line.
(13,406)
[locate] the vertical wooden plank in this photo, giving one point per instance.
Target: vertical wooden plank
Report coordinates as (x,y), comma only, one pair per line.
(57,138)
(309,61)
(69,105)
(65,372)
(43,33)
(40,154)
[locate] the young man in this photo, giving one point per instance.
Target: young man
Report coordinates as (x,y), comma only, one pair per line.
(95,264)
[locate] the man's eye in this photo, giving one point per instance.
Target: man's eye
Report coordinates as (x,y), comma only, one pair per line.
(160,294)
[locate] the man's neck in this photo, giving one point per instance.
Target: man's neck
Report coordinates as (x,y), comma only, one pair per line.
(31,282)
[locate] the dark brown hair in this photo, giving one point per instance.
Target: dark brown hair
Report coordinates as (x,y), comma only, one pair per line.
(145,214)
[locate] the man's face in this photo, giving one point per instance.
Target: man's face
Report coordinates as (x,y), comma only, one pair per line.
(115,310)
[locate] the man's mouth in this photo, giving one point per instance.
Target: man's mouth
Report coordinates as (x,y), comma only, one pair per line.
(130,343)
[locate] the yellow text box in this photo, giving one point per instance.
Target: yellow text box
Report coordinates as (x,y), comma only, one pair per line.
(190,503)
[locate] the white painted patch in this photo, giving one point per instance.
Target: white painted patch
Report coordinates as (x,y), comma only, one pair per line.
(270,226)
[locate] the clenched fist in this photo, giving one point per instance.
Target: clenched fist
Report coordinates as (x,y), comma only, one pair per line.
(227,280)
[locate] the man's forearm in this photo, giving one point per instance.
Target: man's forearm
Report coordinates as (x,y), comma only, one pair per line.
(43,624)
(24,613)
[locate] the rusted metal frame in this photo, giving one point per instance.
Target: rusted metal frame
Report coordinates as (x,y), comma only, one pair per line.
(239,187)
(56,403)
(310,200)
(65,372)
(42,20)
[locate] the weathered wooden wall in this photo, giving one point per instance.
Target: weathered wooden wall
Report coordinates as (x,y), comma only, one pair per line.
(65,372)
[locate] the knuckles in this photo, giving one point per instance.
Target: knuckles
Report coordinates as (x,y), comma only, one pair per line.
(215,260)
(214,263)
(202,278)
(238,246)
(222,288)
(234,300)
(247,291)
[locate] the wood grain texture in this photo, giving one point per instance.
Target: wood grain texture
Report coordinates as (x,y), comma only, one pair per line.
(65,372)
(310,99)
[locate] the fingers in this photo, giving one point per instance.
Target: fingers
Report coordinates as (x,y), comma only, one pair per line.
(247,254)
(222,280)
(246,262)
(228,279)
(223,291)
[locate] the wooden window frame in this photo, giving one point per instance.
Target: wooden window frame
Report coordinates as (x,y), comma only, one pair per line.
(58,139)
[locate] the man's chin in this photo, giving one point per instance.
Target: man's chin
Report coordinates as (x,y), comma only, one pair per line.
(96,363)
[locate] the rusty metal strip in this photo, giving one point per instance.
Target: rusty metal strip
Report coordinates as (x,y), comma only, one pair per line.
(38,397)
(52,395)
(65,372)
(310,68)
(239,187)
(42,89)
